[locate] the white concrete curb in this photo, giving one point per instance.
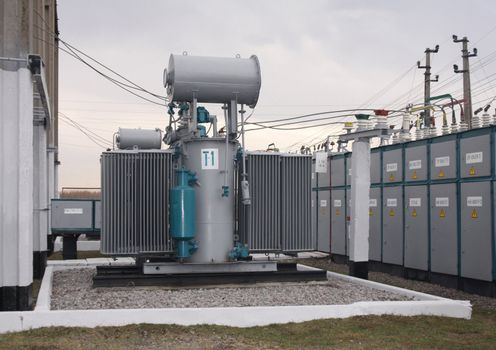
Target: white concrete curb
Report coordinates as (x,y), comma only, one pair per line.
(425,304)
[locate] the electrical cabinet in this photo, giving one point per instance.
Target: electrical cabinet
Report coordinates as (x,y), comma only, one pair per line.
(337,171)
(375,166)
(476,232)
(324,221)
(375,227)
(443,159)
(72,215)
(392,166)
(392,225)
(475,156)
(416,227)
(416,163)
(338,222)
(444,229)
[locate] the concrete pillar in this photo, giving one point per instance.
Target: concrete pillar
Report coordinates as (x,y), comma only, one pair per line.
(16,158)
(16,187)
(359,221)
(40,198)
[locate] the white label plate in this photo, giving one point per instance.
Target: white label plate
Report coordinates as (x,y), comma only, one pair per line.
(392,202)
(391,167)
(442,201)
(440,162)
(415,164)
(475,157)
(337,203)
(321,162)
(475,201)
(323,203)
(415,202)
(73,211)
(372,202)
(210,158)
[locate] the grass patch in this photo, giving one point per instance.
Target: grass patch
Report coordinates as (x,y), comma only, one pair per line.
(368,332)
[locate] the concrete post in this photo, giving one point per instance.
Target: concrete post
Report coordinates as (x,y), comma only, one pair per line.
(16,159)
(40,197)
(359,221)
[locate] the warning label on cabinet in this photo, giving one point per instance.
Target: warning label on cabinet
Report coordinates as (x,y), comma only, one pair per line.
(415,202)
(475,157)
(475,201)
(442,161)
(442,202)
(337,203)
(391,167)
(415,164)
(392,202)
(372,202)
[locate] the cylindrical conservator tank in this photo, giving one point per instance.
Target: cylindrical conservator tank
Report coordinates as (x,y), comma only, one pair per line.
(183,214)
(214,212)
(213,79)
(140,138)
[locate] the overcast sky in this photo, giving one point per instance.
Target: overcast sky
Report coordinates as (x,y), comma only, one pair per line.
(314,55)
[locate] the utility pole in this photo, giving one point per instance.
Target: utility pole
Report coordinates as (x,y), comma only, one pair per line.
(467,94)
(427,83)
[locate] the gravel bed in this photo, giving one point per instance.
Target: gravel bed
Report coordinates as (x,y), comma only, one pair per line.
(419,286)
(72,289)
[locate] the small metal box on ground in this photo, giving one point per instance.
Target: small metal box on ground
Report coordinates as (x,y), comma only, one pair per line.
(338,222)
(392,225)
(416,227)
(392,164)
(443,158)
(444,229)
(475,154)
(416,162)
(375,226)
(476,260)
(337,170)
(324,221)
(71,215)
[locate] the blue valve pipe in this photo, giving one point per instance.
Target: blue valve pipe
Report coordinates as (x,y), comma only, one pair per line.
(183,214)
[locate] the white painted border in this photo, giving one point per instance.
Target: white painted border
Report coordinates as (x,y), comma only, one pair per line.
(425,304)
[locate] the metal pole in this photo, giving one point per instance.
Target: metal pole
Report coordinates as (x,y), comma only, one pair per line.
(427,83)
(467,94)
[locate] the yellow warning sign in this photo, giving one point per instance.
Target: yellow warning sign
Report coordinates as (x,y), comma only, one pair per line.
(391,177)
(441,173)
(391,212)
(471,171)
(475,215)
(338,212)
(414,212)
(371,213)
(414,174)
(442,213)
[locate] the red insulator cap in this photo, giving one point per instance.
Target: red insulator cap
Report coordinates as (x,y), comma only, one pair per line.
(381,112)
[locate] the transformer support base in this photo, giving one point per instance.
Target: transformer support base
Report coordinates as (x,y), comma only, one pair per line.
(125,276)
(186,268)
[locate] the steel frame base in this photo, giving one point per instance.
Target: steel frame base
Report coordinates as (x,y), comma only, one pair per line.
(126,276)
